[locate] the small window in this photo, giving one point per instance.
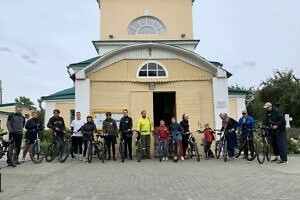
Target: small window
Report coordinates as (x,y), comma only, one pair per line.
(72,115)
(152,69)
(146,25)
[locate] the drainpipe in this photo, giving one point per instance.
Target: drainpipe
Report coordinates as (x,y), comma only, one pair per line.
(0,92)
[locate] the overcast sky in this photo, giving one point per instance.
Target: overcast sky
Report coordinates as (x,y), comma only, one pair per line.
(38,39)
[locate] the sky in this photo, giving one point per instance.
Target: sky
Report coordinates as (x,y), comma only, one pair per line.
(38,39)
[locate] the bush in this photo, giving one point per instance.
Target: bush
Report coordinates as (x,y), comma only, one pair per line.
(293,138)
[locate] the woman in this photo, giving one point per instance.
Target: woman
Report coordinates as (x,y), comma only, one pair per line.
(88,130)
(186,133)
(176,131)
(229,126)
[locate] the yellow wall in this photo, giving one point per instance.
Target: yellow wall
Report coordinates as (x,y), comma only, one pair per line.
(25,111)
(3,119)
(116,15)
(232,108)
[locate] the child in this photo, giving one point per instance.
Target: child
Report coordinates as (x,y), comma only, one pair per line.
(208,138)
(177,131)
(163,134)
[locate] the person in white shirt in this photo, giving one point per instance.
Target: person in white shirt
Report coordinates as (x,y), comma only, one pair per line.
(77,136)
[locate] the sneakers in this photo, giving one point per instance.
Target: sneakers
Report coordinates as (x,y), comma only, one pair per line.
(166,158)
(23,160)
(163,159)
(282,162)
(181,158)
(275,160)
(80,158)
(84,160)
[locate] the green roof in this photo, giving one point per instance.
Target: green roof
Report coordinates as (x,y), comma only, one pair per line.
(17,104)
(84,63)
(61,95)
(4,113)
(236,91)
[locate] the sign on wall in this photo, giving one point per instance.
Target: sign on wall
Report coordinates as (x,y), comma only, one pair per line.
(99,117)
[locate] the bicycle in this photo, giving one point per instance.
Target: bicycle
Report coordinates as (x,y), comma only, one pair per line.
(104,146)
(36,153)
(193,149)
(54,149)
(174,147)
(3,145)
(264,147)
(140,150)
(221,145)
(247,143)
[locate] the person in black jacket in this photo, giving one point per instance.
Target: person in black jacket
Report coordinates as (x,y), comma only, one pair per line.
(126,133)
(15,125)
(33,126)
(57,124)
(186,133)
(229,126)
(275,120)
(88,130)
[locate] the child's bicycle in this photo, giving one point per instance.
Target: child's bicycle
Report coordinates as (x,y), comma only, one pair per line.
(174,147)
(193,149)
(36,153)
(221,145)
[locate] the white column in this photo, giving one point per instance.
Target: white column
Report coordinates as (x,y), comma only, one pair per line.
(221,99)
(49,107)
(82,97)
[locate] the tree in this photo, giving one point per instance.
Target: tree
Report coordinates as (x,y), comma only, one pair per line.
(24,100)
(283,90)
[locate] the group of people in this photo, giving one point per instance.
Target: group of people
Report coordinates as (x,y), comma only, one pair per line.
(83,131)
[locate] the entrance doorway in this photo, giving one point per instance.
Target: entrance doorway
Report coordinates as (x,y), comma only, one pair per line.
(164,107)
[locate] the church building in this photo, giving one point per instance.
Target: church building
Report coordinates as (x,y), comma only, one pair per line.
(147,61)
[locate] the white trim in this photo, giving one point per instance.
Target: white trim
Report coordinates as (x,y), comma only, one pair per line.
(151,77)
(240,106)
(82,96)
(221,99)
(58,100)
(159,51)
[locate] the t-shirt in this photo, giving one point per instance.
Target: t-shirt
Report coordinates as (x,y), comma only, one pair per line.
(77,124)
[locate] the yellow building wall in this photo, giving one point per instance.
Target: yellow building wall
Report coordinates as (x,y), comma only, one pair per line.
(65,111)
(3,119)
(232,108)
(116,15)
(25,111)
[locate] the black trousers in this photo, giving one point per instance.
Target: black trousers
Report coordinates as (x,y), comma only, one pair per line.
(185,143)
(17,140)
(128,146)
(77,145)
(274,143)
(110,142)
(208,152)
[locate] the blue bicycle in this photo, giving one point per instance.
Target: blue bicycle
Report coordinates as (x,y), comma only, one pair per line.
(36,152)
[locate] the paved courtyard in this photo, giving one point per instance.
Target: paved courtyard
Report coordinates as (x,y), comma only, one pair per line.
(189,180)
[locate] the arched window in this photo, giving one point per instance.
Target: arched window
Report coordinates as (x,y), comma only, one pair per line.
(152,69)
(146,25)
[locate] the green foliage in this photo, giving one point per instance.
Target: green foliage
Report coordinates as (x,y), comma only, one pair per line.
(283,90)
(24,100)
(41,116)
(293,138)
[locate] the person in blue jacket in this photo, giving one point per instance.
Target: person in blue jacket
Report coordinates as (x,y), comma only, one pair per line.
(245,128)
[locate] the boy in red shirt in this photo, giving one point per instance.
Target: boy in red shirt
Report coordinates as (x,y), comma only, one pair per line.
(163,135)
(208,138)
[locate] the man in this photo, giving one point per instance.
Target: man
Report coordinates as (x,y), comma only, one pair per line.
(33,127)
(110,126)
(15,125)
(76,125)
(145,128)
(275,119)
(246,126)
(57,124)
(126,133)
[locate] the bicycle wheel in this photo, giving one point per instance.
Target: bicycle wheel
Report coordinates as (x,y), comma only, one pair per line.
(176,150)
(36,153)
(218,149)
(99,149)
(238,151)
(261,151)
(89,152)
(64,154)
(225,152)
(52,152)
(12,154)
(190,151)
(197,153)
(251,147)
